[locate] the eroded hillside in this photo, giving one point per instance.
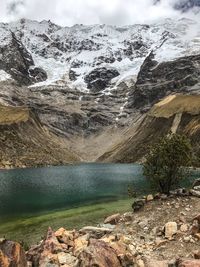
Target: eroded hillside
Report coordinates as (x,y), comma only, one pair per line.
(24,142)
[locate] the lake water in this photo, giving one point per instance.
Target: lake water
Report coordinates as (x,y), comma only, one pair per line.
(40,190)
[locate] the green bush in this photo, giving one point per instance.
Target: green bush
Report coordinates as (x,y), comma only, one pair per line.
(166,162)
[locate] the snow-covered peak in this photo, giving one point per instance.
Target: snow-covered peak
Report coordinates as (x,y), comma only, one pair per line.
(69,54)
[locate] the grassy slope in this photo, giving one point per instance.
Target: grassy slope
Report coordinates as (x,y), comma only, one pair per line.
(30,230)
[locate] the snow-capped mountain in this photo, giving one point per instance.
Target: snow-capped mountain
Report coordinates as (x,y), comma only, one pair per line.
(97,57)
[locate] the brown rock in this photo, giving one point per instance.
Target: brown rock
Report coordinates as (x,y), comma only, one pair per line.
(12,254)
(155,263)
(113,219)
(196,254)
(100,254)
(189,263)
(149,198)
(170,229)
(194,229)
(197,218)
(80,243)
(45,254)
(65,236)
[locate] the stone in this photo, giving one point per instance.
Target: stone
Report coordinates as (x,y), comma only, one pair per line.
(184,228)
(196,254)
(149,198)
(156,263)
(65,236)
(45,254)
(12,254)
(170,229)
(100,254)
(189,263)
(96,231)
(194,229)
(66,258)
(138,205)
(113,219)
(194,193)
(196,183)
(80,243)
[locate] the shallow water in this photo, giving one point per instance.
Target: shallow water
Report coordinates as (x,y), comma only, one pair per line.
(42,190)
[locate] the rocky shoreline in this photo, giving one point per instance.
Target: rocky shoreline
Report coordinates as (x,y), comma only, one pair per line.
(163,232)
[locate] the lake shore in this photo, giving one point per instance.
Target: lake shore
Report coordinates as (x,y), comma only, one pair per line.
(31,229)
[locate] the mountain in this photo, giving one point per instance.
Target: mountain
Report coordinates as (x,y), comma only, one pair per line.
(25,142)
(91,84)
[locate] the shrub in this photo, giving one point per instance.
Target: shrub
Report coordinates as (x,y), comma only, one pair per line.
(166,162)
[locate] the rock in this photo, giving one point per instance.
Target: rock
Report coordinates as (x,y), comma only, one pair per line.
(96,231)
(155,263)
(149,198)
(189,263)
(196,254)
(138,205)
(113,219)
(184,228)
(45,254)
(100,254)
(65,236)
(18,62)
(12,254)
(99,78)
(194,193)
(170,229)
(80,243)
(66,258)
(194,229)
(196,183)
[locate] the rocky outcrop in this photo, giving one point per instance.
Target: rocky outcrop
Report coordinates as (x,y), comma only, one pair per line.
(18,62)
(156,80)
(98,79)
(12,254)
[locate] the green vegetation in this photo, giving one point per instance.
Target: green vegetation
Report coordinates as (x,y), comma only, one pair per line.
(30,230)
(165,164)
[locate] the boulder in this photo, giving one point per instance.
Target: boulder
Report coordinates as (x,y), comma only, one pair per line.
(189,263)
(100,254)
(170,229)
(138,205)
(149,198)
(196,183)
(46,253)
(113,219)
(12,254)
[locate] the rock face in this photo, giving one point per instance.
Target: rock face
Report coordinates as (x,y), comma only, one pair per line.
(26,142)
(18,62)
(12,254)
(99,79)
(155,80)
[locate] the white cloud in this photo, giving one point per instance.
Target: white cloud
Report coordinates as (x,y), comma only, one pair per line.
(69,12)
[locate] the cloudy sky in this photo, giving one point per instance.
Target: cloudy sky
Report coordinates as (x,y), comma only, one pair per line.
(69,12)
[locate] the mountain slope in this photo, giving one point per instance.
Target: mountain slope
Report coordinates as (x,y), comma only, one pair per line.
(176,113)
(25,142)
